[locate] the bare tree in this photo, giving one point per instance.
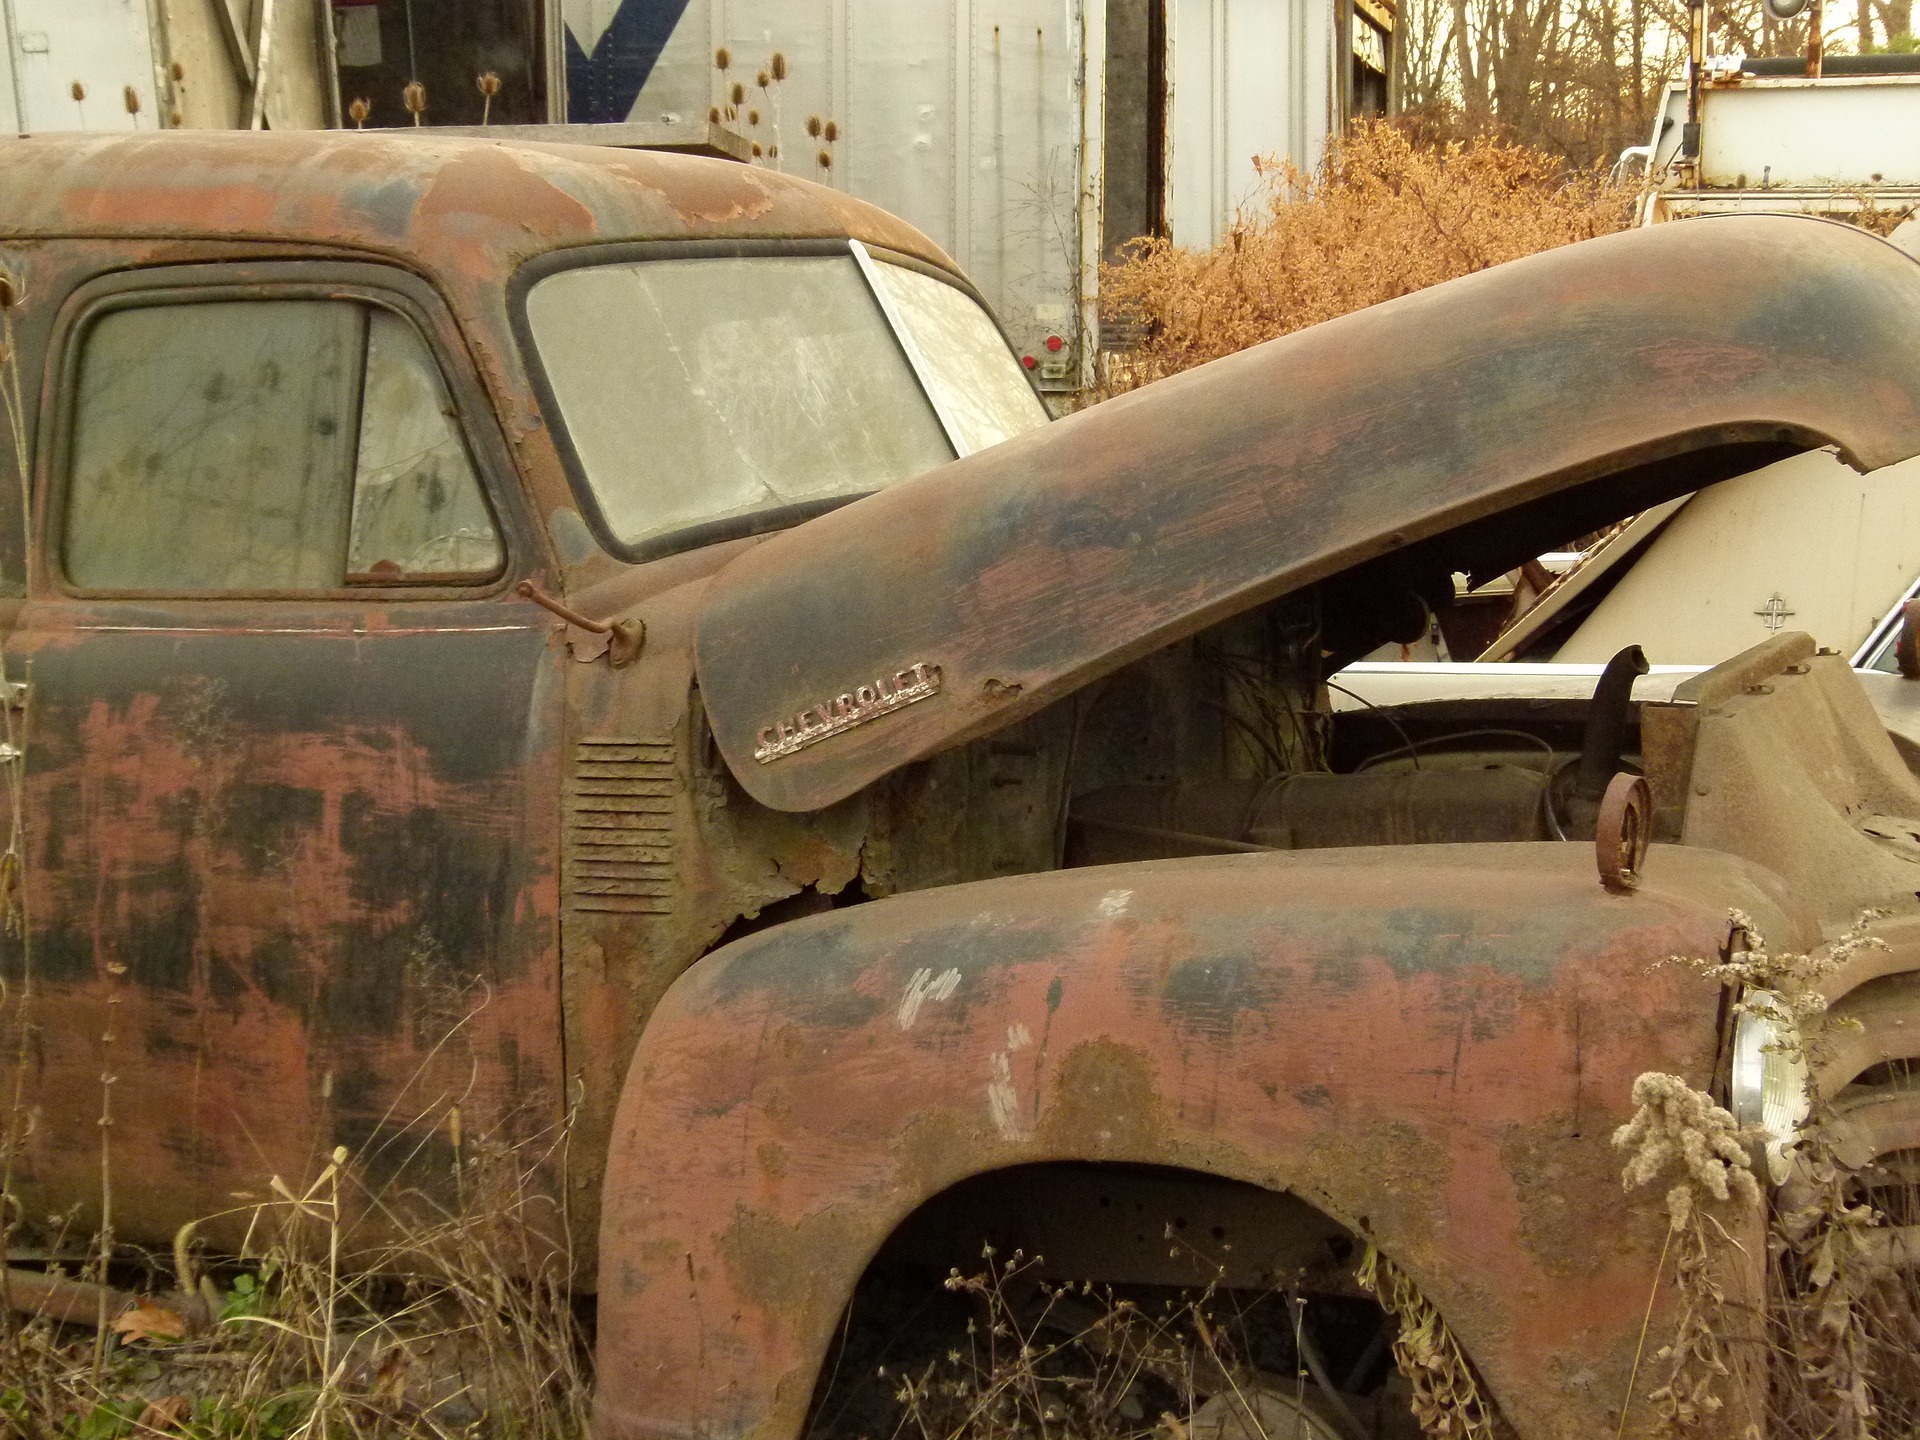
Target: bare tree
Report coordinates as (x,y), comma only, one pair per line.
(1581,78)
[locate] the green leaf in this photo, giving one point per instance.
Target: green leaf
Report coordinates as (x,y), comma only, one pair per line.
(110,1419)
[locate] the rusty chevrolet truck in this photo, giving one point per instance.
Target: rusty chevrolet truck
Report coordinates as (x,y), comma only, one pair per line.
(611,640)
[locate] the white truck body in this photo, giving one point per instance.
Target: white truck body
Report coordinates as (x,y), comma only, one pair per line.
(1806,543)
(1783,142)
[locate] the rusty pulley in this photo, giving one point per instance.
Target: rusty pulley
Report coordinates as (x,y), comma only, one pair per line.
(1622,831)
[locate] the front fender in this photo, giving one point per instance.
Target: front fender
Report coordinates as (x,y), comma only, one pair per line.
(1431,1044)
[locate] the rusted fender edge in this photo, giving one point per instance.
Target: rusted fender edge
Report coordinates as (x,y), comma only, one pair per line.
(1430,1043)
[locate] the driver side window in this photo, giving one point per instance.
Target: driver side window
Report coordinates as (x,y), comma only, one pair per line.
(295,444)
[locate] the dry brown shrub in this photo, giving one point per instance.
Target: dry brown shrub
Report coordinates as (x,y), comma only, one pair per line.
(1007,1354)
(1382,217)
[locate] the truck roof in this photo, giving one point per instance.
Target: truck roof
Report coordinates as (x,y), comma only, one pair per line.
(482,206)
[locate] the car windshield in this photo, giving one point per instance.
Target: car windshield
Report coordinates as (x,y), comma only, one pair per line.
(696,391)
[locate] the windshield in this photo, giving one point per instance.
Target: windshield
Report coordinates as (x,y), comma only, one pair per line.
(697,391)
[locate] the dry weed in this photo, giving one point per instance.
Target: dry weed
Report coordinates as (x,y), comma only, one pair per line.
(1842,1316)
(1383,216)
(1072,1360)
(1447,1398)
(1045,1359)
(1679,1134)
(463,1325)
(1678,1129)
(1091,1362)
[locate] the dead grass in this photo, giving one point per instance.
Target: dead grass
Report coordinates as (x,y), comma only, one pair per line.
(1382,217)
(1078,1361)
(1838,1326)
(1026,1358)
(464,1325)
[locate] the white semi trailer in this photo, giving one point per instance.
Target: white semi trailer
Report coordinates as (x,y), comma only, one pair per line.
(1031,138)
(161,64)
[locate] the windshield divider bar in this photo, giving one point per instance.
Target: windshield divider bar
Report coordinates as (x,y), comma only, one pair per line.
(922,371)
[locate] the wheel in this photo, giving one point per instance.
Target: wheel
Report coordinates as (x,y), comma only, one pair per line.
(1263,1412)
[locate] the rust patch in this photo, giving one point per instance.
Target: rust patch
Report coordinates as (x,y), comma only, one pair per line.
(800,1269)
(1551,1172)
(496,189)
(1390,1178)
(1108,1102)
(716,198)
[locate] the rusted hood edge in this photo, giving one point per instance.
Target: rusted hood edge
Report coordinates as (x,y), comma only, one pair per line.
(956,603)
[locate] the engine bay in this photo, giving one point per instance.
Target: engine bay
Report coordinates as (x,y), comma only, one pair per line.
(1230,742)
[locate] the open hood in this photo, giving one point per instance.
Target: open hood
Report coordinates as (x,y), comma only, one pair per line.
(1464,427)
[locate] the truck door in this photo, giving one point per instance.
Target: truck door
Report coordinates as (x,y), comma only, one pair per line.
(293,746)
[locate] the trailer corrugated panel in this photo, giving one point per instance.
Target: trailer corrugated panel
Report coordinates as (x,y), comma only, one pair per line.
(987,123)
(164,64)
(79,65)
(962,116)
(1250,80)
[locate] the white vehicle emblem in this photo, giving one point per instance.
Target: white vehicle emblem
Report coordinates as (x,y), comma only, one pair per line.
(1774,613)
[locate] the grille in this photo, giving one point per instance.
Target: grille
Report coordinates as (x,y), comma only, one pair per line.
(620,841)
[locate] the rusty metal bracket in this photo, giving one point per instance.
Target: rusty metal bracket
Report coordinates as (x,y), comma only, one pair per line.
(624,638)
(1906,648)
(1622,831)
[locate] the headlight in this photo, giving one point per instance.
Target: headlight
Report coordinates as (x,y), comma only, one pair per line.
(1769,1084)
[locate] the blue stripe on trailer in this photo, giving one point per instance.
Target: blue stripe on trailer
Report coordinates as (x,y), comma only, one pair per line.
(602,87)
